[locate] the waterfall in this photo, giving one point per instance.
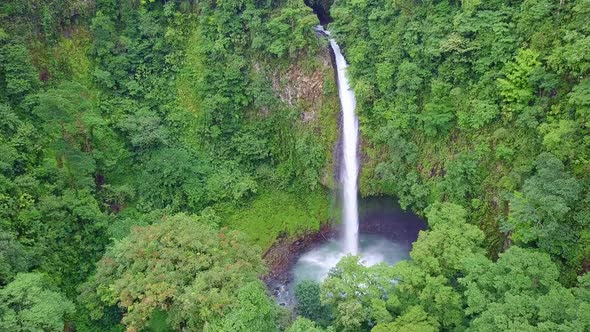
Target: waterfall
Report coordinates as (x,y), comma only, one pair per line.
(350,164)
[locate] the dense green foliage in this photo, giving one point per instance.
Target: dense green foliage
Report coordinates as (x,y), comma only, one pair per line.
(304,325)
(307,294)
(450,285)
(150,149)
(27,304)
(164,265)
(480,103)
(122,114)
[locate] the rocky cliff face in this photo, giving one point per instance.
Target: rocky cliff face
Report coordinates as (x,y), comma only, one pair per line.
(306,85)
(309,85)
(322,9)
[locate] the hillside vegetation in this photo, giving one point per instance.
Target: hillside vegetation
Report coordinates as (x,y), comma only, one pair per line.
(481,103)
(151,151)
(124,114)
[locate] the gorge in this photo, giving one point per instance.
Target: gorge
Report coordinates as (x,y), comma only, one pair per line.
(373,245)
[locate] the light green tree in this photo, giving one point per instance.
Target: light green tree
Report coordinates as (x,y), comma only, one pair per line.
(414,320)
(429,280)
(352,289)
(304,325)
(423,289)
(254,311)
(441,250)
(28,304)
(182,266)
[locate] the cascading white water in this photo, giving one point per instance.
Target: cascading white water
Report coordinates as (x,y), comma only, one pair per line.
(390,248)
(350,164)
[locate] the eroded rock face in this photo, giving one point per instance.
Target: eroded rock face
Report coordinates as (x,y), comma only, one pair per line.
(298,86)
(285,252)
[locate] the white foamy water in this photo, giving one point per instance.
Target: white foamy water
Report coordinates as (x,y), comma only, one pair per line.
(394,233)
(373,249)
(316,264)
(350,161)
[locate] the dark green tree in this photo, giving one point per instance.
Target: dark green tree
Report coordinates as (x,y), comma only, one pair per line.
(541,212)
(18,77)
(309,305)
(521,292)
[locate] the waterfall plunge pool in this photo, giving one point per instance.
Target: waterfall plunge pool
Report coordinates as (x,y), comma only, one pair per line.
(379,233)
(373,249)
(386,235)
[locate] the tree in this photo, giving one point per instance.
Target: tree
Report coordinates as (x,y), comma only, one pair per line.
(20,77)
(580,99)
(14,257)
(70,122)
(309,304)
(441,250)
(423,289)
(29,304)
(414,320)
(461,175)
(304,325)
(427,283)
(354,292)
(515,88)
(539,213)
(182,266)
(254,311)
(289,31)
(521,292)
(144,129)
(71,234)
(433,294)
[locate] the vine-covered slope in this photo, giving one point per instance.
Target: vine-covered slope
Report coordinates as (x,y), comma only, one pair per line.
(118,114)
(480,103)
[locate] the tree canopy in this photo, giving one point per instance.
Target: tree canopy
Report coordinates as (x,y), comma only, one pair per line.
(149,148)
(29,304)
(182,266)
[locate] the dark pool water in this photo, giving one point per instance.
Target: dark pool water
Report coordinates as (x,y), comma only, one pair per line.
(386,235)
